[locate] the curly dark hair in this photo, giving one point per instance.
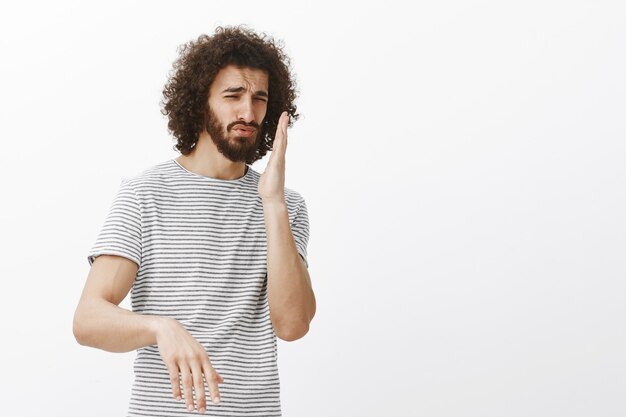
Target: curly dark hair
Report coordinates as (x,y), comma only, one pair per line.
(186,92)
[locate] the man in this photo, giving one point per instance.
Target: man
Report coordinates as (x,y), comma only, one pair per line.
(215,253)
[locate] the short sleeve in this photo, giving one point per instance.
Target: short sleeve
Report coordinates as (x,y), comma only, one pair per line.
(300,230)
(121,232)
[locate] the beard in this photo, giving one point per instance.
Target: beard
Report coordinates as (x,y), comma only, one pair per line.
(236,148)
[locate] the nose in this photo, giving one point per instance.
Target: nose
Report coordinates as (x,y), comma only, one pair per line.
(246,110)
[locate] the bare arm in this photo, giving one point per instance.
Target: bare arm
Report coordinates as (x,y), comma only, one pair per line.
(290,296)
(100,323)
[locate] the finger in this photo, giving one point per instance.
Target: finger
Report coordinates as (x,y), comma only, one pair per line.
(281,133)
(187,386)
(198,386)
(279,146)
(175,380)
(285,127)
(212,379)
(276,141)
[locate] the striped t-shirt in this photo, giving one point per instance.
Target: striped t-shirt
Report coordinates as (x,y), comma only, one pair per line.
(200,245)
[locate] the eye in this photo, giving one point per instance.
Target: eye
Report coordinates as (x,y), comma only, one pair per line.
(231,96)
(260,99)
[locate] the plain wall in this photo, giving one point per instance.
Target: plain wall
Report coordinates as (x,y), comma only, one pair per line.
(463,163)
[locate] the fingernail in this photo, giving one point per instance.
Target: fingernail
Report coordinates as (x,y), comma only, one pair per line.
(190,407)
(216,400)
(201,411)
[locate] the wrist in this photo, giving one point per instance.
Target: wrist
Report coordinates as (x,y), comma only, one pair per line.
(156,324)
(271,203)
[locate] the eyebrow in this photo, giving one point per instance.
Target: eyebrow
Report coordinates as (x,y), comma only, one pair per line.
(261,93)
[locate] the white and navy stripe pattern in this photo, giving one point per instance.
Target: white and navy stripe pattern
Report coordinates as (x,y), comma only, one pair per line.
(200,244)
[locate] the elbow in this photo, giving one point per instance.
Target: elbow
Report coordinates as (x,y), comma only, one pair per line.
(293,328)
(78,335)
(79,330)
(292,332)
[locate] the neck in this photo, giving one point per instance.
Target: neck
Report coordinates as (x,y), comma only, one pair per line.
(207,161)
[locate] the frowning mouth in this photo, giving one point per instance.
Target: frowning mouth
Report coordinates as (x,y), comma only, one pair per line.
(244,130)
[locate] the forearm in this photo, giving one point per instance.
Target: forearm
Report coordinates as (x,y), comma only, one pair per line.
(103,325)
(290,296)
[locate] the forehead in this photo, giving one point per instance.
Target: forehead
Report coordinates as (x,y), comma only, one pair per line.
(253,79)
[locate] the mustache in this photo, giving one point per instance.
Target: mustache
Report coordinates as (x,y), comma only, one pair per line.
(233,124)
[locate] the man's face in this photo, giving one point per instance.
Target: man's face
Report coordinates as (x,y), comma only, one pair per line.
(237,107)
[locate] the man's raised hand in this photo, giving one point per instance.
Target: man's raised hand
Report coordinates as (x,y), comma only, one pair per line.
(272,181)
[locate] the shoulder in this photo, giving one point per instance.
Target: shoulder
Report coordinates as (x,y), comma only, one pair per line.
(292,197)
(148,177)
